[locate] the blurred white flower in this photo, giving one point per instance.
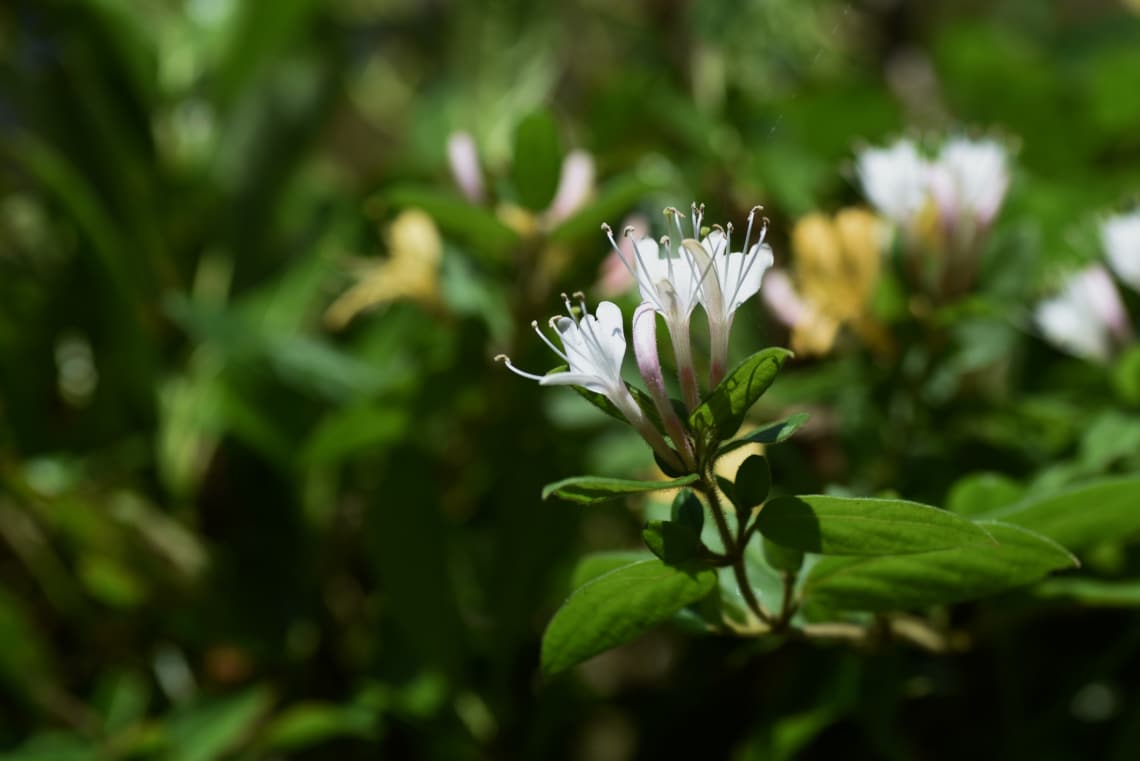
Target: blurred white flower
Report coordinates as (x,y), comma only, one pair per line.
(1087,318)
(1120,236)
(575,184)
(895,180)
(463,159)
(969,180)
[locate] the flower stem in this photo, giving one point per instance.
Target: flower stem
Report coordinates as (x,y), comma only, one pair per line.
(734,549)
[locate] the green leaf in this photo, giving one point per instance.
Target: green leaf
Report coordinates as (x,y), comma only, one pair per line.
(617,607)
(537,161)
(673,542)
(753,480)
(688,510)
(782,558)
(863,526)
(906,582)
(598,563)
(978,493)
(1092,592)
(304,725)
(1081,516)
(590,489)
(477,228)
(772,433)
(720,415)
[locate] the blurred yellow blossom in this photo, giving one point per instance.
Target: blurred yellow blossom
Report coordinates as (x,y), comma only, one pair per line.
(836,264)
(411,270)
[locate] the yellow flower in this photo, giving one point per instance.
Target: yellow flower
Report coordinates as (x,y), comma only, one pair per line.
(836,264)
(411,270)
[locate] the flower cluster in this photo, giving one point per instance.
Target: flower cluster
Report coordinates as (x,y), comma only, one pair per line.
(1087,317)
(673,277)
(943,206)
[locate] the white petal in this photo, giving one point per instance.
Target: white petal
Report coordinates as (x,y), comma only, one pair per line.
(894,179)
(781,297)
(743,274)
(1120,236)
(611,334)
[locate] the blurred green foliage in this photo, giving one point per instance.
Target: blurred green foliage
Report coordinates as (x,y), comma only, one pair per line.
(228,530)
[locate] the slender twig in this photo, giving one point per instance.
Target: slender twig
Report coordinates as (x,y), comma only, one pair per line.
(734,550)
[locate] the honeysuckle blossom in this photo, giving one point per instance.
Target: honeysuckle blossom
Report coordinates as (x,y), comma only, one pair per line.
(1120,236)
(575,184)
(410,272)
(463,160)
(837,262)
(1087,318)
(670,278)
(895,180)
(738,276)
(674,279)
(593,348)
(649,365)
(969,180)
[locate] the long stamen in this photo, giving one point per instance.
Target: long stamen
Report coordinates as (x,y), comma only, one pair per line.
(642,274)
(747,266)
(507,361)
(548,342)
(698,215)
(748,232)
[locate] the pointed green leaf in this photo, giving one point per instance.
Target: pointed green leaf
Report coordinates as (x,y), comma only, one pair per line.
(782,558)
(720,415)
(772,433)
(1083,515)
(753,480)
(687,509)
(863,526)
(942,577)
(597,563)
(617,607)
(537,161)
(590,489)
(672,542)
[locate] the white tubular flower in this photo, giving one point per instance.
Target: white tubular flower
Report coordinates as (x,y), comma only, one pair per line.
(593,348)
(737,278)
(895,180)
(463,160)
(671,279)
(1120,236)
(575,184)
(649,365)
(969,180)
(1087,317)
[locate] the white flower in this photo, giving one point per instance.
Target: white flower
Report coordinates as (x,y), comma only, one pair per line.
(1120,236)
(737,278)
(593,348)
(969,179)
(463,159)
(1086,317)
(575,184)
(895,180)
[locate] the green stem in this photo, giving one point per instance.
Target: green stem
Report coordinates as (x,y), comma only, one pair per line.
(734,550)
